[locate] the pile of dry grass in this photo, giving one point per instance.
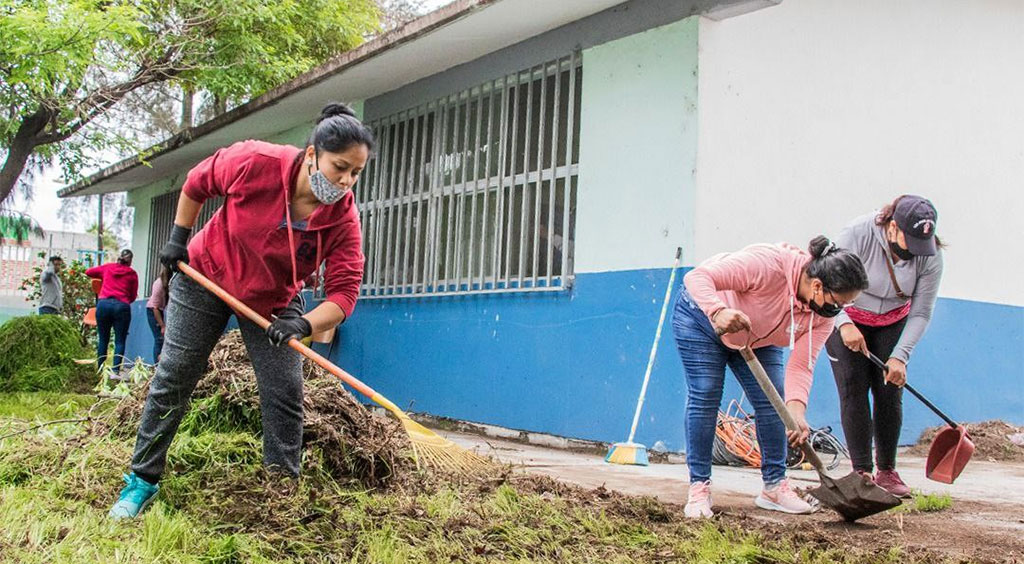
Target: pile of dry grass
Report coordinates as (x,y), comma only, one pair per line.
(353,442)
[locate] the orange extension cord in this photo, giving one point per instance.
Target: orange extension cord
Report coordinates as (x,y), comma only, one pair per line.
(738,434)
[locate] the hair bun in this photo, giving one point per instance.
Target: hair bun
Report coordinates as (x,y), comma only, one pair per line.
(820,246)
(335,109)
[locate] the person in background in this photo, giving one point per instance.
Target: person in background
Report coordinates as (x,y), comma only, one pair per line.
(765,297)
(51,298)
(155,310)
(113,310)
(903,258)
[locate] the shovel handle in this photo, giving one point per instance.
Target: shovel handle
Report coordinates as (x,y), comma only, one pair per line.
(885,368)
(780,406)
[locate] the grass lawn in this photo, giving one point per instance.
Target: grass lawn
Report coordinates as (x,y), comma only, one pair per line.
(218,505)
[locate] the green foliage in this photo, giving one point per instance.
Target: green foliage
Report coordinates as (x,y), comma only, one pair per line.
(925,503)
(43,406)
(76,286)
(111,246)
(37,354)
(215,414)
(65,63)
(18,226)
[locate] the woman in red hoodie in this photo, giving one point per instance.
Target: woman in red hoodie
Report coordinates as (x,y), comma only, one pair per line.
(286,211)
(765,297)
(114,308)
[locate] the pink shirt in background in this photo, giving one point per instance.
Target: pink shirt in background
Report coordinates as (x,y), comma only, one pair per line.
(157,295)
(120,282)
(761,281)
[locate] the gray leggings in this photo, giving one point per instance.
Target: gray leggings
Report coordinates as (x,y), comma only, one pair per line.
(195,322)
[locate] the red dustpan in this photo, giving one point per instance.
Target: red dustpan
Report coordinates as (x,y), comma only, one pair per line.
(951,448)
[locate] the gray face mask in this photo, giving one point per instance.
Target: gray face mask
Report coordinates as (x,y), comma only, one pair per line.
(325,191)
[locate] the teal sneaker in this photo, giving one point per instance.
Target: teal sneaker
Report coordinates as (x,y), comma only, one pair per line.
(135,497)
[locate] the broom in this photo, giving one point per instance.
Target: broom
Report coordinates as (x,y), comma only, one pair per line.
(630,452)
(434,449)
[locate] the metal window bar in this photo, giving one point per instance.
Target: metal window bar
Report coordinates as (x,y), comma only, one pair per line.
(467,199)
(162,211)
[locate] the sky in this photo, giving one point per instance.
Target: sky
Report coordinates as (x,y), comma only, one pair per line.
(45,203)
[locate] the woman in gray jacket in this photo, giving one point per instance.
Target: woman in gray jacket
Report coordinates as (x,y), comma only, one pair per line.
(903,259)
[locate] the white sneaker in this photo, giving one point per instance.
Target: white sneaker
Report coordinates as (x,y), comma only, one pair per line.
(782,498)
(698,504)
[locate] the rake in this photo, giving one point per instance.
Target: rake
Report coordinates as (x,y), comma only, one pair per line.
(427,445)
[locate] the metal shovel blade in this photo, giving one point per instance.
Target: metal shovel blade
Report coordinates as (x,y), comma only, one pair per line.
(853,496)
(951,450)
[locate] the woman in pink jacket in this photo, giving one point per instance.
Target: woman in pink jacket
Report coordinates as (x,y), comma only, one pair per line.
(767,297)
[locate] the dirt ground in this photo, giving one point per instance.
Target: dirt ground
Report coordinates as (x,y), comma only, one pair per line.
(991,441)
(984,524)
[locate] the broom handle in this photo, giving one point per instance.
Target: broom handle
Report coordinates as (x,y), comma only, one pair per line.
(885,368)
(258,319)
(654,347)
(780,406)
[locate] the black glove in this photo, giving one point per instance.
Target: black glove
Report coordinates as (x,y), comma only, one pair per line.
(176,248)
(283,329)
(295,308)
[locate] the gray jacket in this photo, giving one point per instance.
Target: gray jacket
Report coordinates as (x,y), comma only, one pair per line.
(52,290)
(918,277)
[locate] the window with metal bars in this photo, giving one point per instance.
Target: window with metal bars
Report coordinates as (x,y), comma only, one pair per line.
(476,192)
(161,220)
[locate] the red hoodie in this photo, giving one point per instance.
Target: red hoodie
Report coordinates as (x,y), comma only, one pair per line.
(245,246)
(119,281)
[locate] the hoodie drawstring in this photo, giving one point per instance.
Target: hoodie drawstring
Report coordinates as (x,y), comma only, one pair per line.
(291,238)
(810,343)
(792,323)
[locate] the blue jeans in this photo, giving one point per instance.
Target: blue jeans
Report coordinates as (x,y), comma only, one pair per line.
(116,315)
(704,361)
(158,335)
(48,310)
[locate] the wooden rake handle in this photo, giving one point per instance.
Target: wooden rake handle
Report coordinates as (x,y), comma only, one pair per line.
(258,319)
(780,406)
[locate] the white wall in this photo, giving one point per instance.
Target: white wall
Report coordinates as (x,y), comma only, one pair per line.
(816,111)
(638,137)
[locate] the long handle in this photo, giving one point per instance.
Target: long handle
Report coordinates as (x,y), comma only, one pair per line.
(258,319)
(885,368)
(654,347)
(780,406)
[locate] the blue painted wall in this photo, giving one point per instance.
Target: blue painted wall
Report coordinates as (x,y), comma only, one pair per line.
(571,364)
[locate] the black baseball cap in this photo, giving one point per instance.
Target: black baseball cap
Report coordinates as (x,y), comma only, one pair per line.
(916,217)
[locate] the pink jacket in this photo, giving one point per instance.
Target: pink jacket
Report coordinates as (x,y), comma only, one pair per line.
(761,281)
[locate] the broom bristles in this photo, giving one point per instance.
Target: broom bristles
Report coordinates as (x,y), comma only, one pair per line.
(434,449)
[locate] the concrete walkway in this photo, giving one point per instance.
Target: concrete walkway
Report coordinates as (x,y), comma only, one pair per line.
(1001,483)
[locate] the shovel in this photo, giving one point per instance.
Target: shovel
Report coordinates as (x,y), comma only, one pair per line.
(853,496)
(951,448)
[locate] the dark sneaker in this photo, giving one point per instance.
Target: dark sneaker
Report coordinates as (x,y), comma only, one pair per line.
(135,497)
(890,481)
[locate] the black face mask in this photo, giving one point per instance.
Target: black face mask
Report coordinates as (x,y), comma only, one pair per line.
(899,251)
(825,310)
